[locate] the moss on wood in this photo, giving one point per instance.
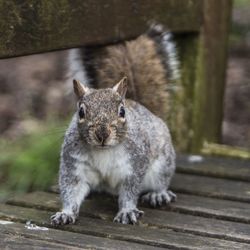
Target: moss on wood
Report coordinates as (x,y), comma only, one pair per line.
(225,150)
(211,68)
(37,26)
(181,115)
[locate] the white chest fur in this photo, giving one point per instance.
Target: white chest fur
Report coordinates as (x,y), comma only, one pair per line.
(112,164)
(105,168)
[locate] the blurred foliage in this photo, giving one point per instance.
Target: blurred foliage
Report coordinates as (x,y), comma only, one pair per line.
(240,3)
(239,30)
(31,162)
(238,33)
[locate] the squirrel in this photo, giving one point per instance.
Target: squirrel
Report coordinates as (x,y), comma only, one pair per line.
(115,144)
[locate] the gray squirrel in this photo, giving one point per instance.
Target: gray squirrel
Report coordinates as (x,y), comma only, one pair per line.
(116,145)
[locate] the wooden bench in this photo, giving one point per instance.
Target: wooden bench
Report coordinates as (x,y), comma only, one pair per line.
(201,28)
(212,212)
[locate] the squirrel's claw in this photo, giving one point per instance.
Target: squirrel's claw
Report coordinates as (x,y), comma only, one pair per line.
(61,218)
(128,216)
(159,198)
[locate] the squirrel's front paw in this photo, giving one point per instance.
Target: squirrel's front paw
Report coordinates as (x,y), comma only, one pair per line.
(61,218)
(128,216)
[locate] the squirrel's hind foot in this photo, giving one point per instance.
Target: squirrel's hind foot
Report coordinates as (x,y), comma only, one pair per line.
(61,218)
(155,199)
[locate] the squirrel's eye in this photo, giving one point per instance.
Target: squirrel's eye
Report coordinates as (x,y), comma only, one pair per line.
(122,112)
(81,113)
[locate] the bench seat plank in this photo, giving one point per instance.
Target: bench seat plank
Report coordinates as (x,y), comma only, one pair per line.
(208,186)
(143,234)
(190,204)
(10,241)
(212,187)
(211,207)
(57,239)
(234,169)
(105,209)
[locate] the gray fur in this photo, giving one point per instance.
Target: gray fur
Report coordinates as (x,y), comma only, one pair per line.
(134,157)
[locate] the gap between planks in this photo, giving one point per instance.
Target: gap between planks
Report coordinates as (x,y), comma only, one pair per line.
(212,187)
(209,187)
(105,209)
(139,234)
(187,204)
(67,240)
(217,167)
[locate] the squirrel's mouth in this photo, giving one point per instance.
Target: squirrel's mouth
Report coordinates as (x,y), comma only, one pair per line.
(103,146)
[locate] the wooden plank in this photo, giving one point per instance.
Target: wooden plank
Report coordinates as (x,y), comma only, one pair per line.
(212,208)
(210,148)
(106,209)
(229,168)
(39,26)
(39,200)
(21,243)
(212,187)
(189,204)
(181,97)
(145,233)
(16,235)
(211,70)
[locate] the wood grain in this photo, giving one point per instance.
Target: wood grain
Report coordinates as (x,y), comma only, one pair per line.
(16,236)
(105,209)
(211,69)
(40,26)
(187,204)
(144,234)
(228,168)
(212,187)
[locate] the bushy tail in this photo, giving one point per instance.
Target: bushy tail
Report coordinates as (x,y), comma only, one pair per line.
(166,49)
(149,62)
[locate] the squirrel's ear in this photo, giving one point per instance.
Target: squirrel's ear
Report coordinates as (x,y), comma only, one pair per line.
(79,89)
(121,87)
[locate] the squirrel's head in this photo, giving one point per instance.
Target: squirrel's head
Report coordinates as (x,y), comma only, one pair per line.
(101,114)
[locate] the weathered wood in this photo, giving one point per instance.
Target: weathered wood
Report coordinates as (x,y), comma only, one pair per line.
(212,187)
(39,26)
(22,243)
(228,168)
(146,233)
(181,103)
(11,234)
(211,69)
(212,208)
(189,204)
(106,208)
(39,200)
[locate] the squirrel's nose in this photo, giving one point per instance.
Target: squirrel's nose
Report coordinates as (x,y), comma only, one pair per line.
(102,134)
(99,137)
